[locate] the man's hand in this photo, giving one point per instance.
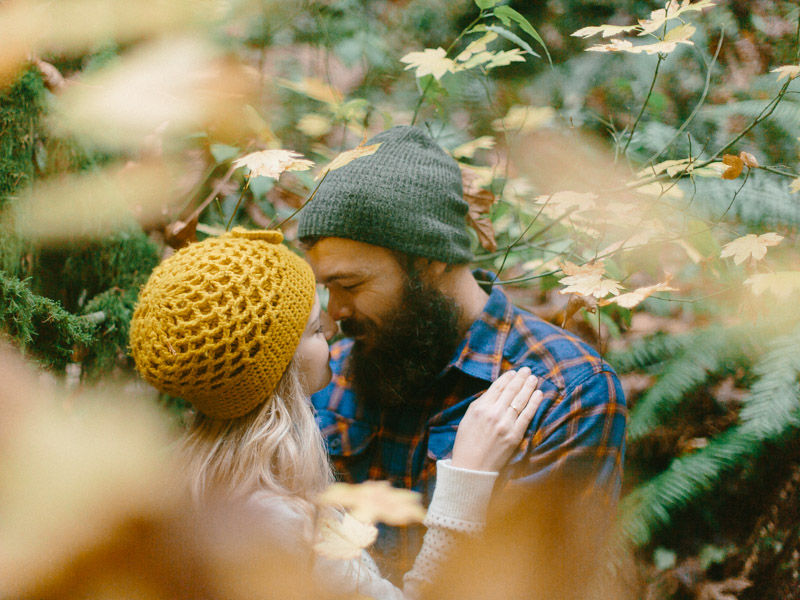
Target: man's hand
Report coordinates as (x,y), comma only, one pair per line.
(495,423)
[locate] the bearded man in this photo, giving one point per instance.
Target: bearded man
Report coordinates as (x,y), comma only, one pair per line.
(426,335)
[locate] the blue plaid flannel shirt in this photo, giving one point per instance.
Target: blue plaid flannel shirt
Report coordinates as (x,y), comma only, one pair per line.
(579,427)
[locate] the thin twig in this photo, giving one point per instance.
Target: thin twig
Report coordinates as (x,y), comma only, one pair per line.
(310,198)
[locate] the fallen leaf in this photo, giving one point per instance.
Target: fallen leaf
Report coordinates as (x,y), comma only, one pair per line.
(346,539)
(790,71)
(271,163)
(345,158)
(750,246)
(376,502)
(735,166)
(429,62)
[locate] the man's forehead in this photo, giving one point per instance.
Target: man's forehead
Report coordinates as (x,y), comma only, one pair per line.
(337,258)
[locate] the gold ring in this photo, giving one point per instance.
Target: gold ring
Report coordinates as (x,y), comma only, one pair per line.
(514,408)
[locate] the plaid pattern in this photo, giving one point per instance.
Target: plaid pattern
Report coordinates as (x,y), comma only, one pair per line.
(578,430)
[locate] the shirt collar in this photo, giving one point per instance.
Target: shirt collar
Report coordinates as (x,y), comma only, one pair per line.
(480,353)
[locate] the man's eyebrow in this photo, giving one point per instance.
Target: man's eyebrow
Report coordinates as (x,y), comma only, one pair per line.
(341,275)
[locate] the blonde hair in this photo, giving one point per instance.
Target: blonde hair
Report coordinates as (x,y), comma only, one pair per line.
(277,447)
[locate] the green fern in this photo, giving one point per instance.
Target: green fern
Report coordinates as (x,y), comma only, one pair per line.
(786,115)
(771,411)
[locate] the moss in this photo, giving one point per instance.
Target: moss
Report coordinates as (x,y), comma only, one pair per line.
(40,326)
(113,308)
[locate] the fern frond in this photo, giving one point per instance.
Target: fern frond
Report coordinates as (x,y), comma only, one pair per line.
(707,354)
(786,115)
(649,351)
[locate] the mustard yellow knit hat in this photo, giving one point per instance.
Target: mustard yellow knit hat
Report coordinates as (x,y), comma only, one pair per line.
(218,321)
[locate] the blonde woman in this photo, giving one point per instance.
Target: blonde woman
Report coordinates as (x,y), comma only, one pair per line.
(233,325)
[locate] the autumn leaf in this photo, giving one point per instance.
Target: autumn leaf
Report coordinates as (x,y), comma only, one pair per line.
(750,246)
(346,539)
(794,188)
(485,142)
(506,57)
(314,125)
(781,283)
(631,299)
(429,62)
(587,280)
(313,88)
(790,71)
(345,158)
(748,159)
(606,30)
(614,46)
(476,46)
(376,502)
(271,163)
(735,166)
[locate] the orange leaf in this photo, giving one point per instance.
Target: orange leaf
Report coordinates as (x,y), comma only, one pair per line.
(480,202)
(735,166)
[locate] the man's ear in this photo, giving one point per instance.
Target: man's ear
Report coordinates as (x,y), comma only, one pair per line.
(431,270)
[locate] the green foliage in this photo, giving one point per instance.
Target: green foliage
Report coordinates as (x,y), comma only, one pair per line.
(39,325)
(112,310)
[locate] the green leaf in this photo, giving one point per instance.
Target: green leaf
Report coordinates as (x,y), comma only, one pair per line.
(513,37)
(484,4)
(223,153)
(507,14)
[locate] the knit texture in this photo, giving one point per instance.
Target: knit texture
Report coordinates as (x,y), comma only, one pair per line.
(218,322)
(407,196)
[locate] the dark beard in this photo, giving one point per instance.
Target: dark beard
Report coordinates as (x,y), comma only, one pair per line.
(410,349)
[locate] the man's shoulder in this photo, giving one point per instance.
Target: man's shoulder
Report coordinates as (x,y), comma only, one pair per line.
(550,350)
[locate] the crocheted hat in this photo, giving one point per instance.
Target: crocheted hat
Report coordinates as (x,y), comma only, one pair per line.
(218,321)
(407,196)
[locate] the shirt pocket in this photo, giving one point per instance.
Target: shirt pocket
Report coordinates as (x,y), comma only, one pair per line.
(344,437)
(440,441)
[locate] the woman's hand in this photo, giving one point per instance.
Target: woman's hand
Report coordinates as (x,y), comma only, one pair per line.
(495,423)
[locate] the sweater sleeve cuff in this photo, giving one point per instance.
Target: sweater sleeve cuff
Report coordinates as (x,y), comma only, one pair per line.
(461,496)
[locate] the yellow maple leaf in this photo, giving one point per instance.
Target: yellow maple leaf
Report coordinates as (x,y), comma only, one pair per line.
(606,30)
(476,46)
(614,46)
(781,283)
(790,71)
(467,150)
(735,166)
(675,36)
(672,10)
(345,539)
(587,280)
(345,158)
(750,246)
(429,62)
(506,57)
(271,163)
(376,502)
(795,186)
(635,297)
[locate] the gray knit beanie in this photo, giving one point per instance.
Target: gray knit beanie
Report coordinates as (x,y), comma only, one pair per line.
(407,196)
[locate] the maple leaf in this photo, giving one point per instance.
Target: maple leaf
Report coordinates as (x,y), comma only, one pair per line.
(376,501)
(735,166)
(506,57)
(750,246)
(587,280)
(631,299)
(478,59)
(795,186)
(313,88)
(675,36)
(429,62)
(476,46)
(345,539)
(790,71)
(781,283)
(345,158)
(271,163)
(614,46)
(606,30)
(485,142)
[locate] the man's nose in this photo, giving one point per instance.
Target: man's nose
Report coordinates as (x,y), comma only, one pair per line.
(338,308)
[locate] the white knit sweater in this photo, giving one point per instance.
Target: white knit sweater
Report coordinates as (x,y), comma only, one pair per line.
(458,507)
